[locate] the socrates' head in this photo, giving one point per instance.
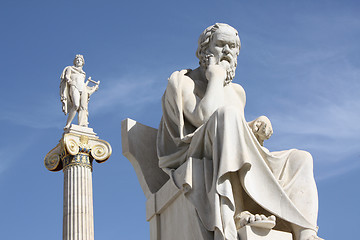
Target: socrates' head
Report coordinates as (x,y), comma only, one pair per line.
(222,42)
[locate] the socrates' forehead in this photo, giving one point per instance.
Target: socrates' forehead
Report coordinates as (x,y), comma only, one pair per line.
(225,36)
(226,31)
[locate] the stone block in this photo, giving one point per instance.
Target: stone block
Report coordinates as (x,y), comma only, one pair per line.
(255,233)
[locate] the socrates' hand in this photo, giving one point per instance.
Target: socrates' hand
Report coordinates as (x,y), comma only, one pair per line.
(215,72)
(262,129)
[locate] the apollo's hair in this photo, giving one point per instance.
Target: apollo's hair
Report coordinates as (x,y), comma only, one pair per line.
(202,52)
(79,56)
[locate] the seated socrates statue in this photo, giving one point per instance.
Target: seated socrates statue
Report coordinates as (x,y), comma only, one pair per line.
(235,180)
(75,92)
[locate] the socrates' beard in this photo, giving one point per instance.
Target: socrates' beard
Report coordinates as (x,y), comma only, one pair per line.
(230,71)
(230,74)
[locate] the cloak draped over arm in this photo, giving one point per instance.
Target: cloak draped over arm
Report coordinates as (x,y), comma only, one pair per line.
(224,144)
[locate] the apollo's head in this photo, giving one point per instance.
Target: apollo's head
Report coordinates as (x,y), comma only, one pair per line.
(222,42)
(79,60)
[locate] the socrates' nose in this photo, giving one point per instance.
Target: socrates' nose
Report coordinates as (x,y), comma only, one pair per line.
(226,49)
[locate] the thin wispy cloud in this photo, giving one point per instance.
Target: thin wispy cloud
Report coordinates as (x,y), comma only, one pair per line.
(124,92)
(10,153)
(340,169)
(337,120)
(312,97)
(322,99)
(45,114)
(128,92)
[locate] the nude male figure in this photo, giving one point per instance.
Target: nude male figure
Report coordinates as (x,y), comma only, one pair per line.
(75,92)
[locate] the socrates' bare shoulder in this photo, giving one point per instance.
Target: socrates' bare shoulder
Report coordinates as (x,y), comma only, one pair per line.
(181,80)
(240,91)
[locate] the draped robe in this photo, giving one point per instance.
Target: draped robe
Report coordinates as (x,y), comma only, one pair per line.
(279,182)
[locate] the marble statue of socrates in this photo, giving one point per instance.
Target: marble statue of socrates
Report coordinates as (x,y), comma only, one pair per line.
(234,180)
(75,92)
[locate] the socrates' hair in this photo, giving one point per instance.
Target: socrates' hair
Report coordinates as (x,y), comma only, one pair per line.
(202,52)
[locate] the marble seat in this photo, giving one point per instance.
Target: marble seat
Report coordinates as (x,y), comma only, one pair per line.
(166,205)
(170,214)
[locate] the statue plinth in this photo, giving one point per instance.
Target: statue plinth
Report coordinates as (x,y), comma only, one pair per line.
(84,131)
(74,154)
(254,233)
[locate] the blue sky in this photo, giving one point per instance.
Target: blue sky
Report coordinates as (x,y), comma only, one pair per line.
(299,64)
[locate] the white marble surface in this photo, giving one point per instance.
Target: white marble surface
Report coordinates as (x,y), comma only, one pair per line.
(76,129)
(75,92)
(253,233)
(136,136)
(78,216)
(231,172)
(74,154)
(216,159)
(170,214)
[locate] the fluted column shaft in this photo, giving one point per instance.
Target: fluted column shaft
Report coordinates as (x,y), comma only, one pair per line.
(78,220)
(74,154)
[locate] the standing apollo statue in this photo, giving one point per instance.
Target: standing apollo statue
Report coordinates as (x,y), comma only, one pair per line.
(75,92)
(75,153)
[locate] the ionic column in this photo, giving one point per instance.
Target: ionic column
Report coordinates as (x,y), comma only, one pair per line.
(74,155)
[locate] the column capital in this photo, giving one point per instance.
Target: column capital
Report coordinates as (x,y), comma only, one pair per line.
(76,148)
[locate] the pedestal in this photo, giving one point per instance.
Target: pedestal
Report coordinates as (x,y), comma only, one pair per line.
(254,233)
(74,154)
